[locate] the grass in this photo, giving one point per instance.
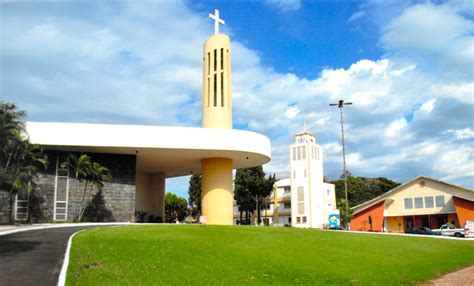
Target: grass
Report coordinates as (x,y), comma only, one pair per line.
(187,254)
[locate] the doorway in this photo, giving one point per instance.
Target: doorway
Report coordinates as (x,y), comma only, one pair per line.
(408,222)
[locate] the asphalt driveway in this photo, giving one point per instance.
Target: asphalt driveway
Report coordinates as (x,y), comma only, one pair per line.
(34,257)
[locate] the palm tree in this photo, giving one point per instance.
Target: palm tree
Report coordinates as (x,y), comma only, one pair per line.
(11,127)
(20,171)
(81,167)
(98,174)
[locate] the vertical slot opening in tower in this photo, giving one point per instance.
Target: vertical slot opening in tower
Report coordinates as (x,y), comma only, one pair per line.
(215,89)
(215,59)
(222,89)
(208,63)
(222,59)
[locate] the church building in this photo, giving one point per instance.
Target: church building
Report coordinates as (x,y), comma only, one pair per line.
(420,202)
(141,158)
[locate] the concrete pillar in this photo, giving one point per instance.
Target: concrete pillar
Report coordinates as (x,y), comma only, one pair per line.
(216,193)
(157,186)
(142,183)
(150,194)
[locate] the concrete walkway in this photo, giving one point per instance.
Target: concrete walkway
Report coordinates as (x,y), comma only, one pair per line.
(34,257)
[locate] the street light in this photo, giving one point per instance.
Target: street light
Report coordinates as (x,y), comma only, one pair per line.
(340,105)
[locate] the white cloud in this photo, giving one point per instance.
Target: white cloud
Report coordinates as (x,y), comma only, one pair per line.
(462,92)
(456,162)
(428,106)
(356,15)
(292,111)
(285,5)
(438,36)
(395,128)
(460,134)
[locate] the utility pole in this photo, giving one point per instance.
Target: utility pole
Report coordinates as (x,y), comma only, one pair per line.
(340,105)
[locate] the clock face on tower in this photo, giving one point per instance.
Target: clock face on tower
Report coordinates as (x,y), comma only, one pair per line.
(304,139)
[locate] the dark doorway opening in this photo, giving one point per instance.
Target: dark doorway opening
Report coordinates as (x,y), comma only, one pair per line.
(425,221)
(408,222)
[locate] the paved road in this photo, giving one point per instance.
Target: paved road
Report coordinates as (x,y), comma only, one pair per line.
(34,257)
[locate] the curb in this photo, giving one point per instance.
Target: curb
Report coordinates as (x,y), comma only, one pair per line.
(62,275)
(11,231)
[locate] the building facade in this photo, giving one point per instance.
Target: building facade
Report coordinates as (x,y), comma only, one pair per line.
(312,199)
(420,202)
(304,200)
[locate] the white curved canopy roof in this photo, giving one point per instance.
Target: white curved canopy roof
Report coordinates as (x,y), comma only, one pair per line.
(176,151)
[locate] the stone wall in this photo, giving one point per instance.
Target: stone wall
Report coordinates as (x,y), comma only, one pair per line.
(4,207)
(118,196)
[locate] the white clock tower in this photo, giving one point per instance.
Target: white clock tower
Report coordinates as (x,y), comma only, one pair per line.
(312,200)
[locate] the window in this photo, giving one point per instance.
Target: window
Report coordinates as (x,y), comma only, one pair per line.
(299,152)
(303,150)
(429,203)
(222,89)
(418,202)
(215,60)
(208,91)
(222,59)
(287,189)
(294,153)
(300,200)
(215,89)
(298,219)
(300,194)
(287,205)
(304,219)
(305,173)
(294,174)
(329,192)
(301,208)
(208,63)
(439,201)
(408,203)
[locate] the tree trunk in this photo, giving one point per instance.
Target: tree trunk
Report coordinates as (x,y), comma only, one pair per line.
(11,208)
(240,210)
(247,215)
(82,202)
(258,211)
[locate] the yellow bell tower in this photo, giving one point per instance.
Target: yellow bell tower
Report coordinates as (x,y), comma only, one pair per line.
(216,189)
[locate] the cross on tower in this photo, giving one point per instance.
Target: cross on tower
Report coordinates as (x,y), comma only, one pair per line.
(217,21)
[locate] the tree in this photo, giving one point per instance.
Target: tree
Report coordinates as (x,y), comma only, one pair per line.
(175,208)
(81,168)
(19,158)
(11,126)
(345,214)
(98,174)
(251,189)
(361,189)
(194,193)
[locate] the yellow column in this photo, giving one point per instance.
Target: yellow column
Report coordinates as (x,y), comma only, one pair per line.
(216,194)
(217,95)
(216,189)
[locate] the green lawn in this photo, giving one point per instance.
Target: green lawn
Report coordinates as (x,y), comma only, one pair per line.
(209,255)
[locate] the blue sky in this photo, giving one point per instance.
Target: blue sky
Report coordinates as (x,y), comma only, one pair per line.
(406,65)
